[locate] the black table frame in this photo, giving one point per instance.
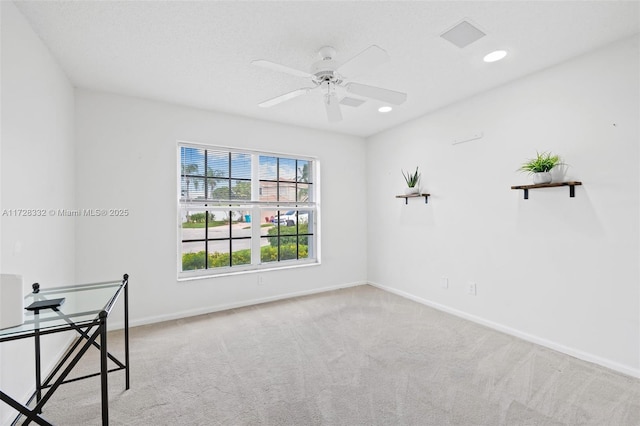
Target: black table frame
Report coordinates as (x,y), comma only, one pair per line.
(89,332)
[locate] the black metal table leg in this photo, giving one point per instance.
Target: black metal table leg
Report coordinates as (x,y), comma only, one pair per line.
(103,371)
(36,340)
(126,330)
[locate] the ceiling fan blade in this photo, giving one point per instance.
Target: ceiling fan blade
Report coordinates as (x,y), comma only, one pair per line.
(282,68)
(333,108)
(378,93)
(369,58)
(279,99)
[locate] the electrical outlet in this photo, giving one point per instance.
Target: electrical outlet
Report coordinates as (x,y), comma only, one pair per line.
(444,282)
(471,288)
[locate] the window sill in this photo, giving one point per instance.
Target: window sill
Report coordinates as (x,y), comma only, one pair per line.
(199,275)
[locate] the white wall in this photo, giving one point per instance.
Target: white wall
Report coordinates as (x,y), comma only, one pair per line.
(126,158)
(38,162)
(556,270)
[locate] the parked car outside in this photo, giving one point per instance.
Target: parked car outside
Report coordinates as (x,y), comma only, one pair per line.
(290,218)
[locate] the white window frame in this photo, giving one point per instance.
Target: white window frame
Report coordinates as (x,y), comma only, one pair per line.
(256,207)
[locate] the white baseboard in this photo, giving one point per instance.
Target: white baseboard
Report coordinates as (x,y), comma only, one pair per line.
(115,325)
(576,353)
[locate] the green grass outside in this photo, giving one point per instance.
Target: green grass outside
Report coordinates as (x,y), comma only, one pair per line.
(193,261)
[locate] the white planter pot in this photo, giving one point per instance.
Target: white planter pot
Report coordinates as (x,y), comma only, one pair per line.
(542,177)
(410,191)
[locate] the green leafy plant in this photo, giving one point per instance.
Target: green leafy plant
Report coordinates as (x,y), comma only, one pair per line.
(196,261)
(543,162)
(287,251)
(288,235)
(411,178)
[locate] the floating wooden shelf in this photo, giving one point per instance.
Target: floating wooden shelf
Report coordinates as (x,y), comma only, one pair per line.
(571,184)
(407,196)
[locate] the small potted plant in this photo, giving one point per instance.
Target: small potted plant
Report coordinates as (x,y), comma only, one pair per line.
(540,167)
(412,180)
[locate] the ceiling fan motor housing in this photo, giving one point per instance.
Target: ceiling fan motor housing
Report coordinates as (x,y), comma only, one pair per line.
(325,69)
(326,75)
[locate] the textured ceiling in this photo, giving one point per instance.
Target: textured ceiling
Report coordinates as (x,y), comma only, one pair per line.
(199,53)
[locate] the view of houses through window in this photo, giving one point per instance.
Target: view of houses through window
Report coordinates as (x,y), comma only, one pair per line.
(244,210)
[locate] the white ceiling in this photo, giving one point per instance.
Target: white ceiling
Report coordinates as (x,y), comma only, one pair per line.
(198,53)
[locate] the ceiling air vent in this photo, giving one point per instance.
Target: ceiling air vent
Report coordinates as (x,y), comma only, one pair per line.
(463,34)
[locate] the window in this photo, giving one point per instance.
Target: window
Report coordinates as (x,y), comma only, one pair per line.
(244,210)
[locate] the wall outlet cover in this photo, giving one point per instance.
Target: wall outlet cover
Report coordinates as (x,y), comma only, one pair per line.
(471,289)
(444,282)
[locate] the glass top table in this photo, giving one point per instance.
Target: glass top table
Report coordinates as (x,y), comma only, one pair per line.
(85,309)
(83,304)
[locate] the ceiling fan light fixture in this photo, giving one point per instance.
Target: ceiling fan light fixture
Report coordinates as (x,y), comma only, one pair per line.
(384,109)
(495,56)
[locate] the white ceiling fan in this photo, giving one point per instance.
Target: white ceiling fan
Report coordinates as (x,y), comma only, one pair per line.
(333,80)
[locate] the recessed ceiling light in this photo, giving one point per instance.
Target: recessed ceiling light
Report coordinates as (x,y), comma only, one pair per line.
(384,109)
(495,56)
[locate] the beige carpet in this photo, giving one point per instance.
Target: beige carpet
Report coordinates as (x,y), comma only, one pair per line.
(358,356)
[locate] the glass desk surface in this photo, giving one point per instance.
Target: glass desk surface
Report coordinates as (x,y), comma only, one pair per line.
(82,305)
